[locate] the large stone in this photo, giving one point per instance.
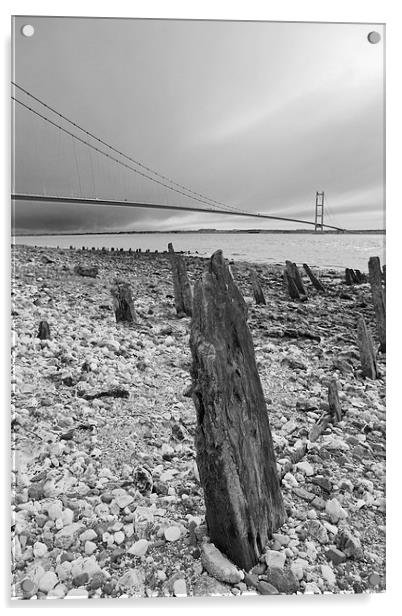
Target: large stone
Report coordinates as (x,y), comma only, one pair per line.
(275,559)
(335,511)
(123,499)
(328,575)
(349,544)
(265,588)
(317,531)
(219,566)
(336,556)
(285,581)
(132,581)
(48,581)
(179,588)
(68,535)
(306,468)
(209,586)
(139,548)
(172,533)
(88,535)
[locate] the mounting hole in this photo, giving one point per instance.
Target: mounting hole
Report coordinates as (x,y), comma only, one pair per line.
(374,37)
(28,30)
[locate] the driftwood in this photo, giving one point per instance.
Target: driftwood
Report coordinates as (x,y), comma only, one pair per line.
(44,331)
(315,282)
(83,270)
(123,304)
(367,355)
(183,296)
(257,290)
(235,455)
(378,295)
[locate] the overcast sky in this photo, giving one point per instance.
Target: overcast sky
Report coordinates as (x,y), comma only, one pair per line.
(256,115)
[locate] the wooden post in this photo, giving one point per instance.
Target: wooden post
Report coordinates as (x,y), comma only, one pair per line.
(44,331)
(348,277)
(235,455)
(291,286)
(257,290)
(123,304)
(182,288)
(378,296)
(353,276)
(294,273)
(360,277)
(367,355)
(333,402)
(315,282)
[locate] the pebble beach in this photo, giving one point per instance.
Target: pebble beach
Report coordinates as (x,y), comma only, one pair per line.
(106,498)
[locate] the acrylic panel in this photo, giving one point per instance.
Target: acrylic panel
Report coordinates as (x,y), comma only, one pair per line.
(198,308)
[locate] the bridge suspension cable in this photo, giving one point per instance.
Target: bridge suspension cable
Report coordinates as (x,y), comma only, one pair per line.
(212,205)
(193,194)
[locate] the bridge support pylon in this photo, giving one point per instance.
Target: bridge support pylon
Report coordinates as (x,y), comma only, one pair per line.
(319,211)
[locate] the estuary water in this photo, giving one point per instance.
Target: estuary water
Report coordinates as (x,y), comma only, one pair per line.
(320,250)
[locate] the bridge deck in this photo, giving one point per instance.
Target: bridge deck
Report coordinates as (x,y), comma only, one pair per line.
(187,208)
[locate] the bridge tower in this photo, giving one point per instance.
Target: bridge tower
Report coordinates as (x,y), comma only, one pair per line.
(319,211)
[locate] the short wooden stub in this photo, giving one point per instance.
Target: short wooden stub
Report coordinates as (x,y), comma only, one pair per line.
(378,295)
(314,280)
(257,290)
(367,355)
(319,427)
(44,331)
(123,304)
(183,295)
(333,402)
(235,454)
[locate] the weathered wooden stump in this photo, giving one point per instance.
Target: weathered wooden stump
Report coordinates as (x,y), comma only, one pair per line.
(367,355)
(378,295)
(291,286)
(44,331)
(294,273)
(83,270)
(314,280)
(319,427)
(348,276)
(361,278)
(123,304)
(257,290)
(334,405)
(183,295)
(235,454)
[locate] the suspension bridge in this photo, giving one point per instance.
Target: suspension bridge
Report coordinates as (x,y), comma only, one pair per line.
(186,199)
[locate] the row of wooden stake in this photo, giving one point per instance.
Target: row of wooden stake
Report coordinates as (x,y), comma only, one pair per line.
(234,447)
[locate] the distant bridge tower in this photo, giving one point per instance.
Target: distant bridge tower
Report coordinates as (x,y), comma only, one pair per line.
(319,211)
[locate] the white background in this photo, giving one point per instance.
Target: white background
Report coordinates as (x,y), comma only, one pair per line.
(385,11)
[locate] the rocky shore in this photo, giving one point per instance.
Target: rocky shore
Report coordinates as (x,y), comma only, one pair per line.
(106,499)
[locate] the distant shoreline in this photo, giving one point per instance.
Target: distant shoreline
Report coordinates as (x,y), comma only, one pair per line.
(209,232)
